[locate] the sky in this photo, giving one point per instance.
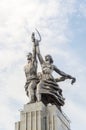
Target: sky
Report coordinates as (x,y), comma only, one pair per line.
(62,25)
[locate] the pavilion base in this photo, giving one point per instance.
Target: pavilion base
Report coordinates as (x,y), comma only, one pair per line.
(37,116)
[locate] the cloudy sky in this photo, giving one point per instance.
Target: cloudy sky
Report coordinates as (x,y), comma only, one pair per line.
(62,24)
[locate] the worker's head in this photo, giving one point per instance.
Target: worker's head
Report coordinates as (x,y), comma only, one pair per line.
(29,56)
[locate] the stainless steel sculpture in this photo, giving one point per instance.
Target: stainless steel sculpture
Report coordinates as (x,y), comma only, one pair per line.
(43,86)
(31,73)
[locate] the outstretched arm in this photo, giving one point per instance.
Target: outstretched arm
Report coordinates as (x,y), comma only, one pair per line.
(60,72)
(67,76)
(62,78)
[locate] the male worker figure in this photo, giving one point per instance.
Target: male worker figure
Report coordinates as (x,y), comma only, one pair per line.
(31,72)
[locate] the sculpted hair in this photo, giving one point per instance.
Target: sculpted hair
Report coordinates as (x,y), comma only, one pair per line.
(50,57)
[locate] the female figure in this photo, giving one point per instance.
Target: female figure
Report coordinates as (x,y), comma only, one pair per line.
(48,90)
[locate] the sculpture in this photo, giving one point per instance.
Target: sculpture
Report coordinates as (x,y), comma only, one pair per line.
(43,86)
(31,73)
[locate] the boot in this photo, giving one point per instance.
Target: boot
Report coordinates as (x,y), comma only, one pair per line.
(38,97)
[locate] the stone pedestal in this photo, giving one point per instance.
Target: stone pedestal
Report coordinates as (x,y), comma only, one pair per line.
(37,116)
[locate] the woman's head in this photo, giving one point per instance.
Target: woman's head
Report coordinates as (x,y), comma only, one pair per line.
(48,58)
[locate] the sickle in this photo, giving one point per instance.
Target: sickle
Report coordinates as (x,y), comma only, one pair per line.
(39,35)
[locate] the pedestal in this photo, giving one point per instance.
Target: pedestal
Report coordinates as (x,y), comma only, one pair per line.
(37,116)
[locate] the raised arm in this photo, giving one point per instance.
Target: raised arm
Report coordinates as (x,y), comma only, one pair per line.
(39,55)
(34,53)
(34,48)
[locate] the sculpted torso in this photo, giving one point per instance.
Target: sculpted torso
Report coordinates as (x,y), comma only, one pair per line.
(30,71)
(47,70)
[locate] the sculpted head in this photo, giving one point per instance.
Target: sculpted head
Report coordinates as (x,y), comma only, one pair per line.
(29,56)
(49,59)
